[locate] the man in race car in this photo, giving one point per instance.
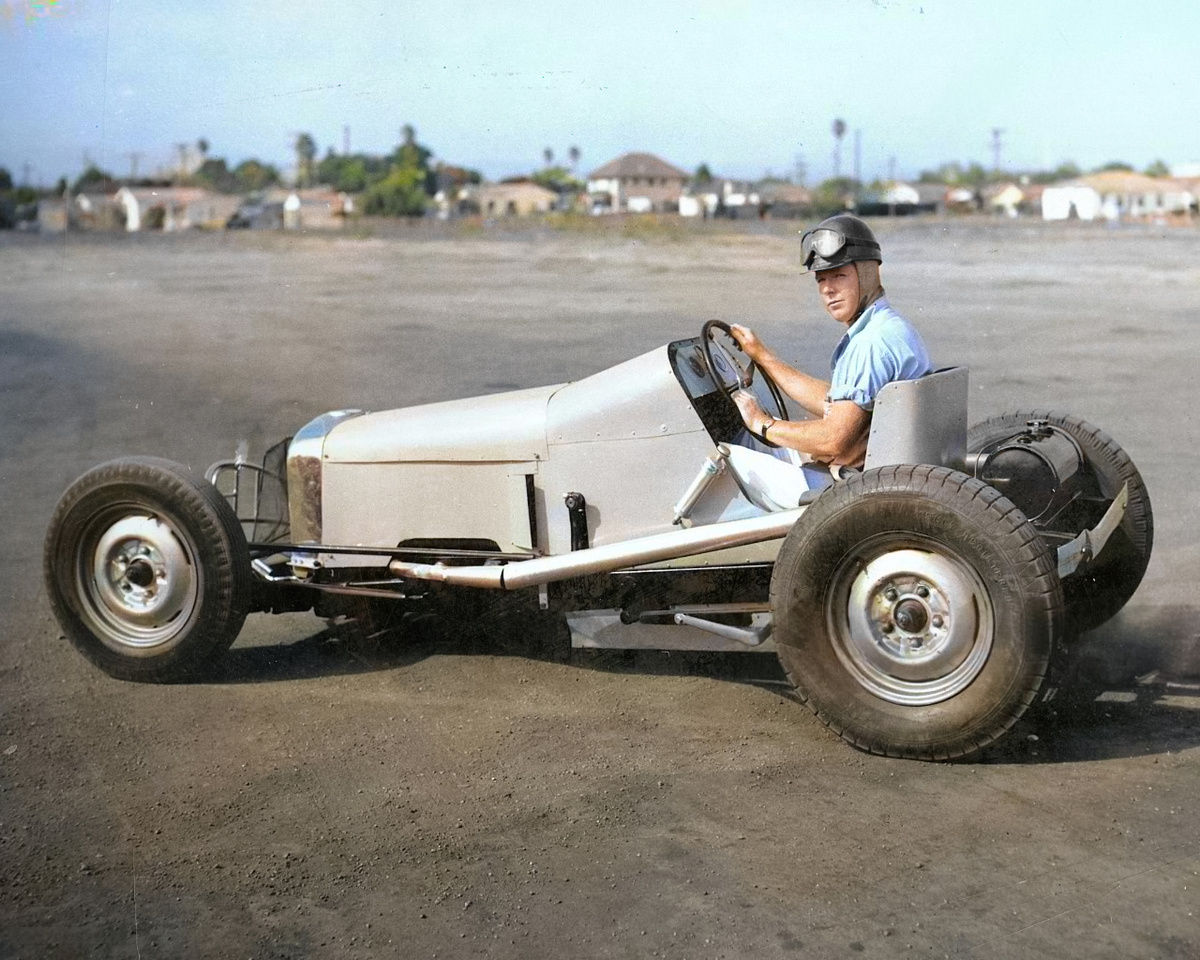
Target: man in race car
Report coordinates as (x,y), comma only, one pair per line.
(879,346)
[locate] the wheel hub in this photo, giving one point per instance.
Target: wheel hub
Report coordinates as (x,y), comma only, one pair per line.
(918,625)
(911,616)
(142,581)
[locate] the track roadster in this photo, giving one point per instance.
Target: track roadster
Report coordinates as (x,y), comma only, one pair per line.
(915,605)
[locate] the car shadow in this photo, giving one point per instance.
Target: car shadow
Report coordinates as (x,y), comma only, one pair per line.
(342,648)
(1130,688)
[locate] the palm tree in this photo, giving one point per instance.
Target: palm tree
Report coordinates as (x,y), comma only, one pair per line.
(306,150)
(574,154)
(548,156)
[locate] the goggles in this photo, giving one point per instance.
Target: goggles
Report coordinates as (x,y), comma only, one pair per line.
(822,242)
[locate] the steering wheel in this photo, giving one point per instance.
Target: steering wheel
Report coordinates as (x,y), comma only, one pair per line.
(743,376)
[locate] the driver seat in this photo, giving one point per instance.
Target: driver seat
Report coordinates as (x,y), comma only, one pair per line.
(921,421)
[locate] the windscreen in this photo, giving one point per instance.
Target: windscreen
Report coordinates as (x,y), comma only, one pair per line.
(711,402)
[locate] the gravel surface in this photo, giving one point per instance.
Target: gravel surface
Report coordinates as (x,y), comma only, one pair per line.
(441,794)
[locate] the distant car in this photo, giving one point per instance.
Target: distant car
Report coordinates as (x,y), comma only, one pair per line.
(915,605)
(256,216)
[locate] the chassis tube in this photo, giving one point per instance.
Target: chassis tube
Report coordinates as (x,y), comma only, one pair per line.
(610,557)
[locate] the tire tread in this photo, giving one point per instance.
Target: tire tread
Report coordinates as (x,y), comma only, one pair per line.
(975,500)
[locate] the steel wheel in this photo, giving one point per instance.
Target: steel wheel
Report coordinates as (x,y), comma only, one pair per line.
(913,625)
(147,569)
(915,611)
(138,579)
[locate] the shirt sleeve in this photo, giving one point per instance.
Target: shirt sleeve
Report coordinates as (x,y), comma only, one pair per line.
(862,371)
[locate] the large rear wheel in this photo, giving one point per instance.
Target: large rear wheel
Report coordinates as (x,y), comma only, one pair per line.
(147,570)
(915,611)
(1097,591)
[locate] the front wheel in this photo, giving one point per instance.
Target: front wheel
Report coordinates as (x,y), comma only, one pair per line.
(915,611)
(147,570)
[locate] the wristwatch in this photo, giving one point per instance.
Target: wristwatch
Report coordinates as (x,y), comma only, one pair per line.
(770,422)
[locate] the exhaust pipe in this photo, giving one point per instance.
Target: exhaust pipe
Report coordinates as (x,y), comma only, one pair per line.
(610,557)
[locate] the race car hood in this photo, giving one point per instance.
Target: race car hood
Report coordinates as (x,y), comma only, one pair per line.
(501,427)
(637,399)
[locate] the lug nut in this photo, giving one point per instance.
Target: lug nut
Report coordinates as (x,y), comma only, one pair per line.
(888,627)
(937,620)
(890,593)
(922,591)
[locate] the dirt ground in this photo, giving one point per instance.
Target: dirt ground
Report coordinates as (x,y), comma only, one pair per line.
(433,797)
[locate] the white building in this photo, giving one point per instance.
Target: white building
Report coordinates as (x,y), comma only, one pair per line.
(636,183)
(1116,195)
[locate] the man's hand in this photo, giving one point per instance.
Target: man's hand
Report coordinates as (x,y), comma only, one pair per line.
(753,415)
(748,340)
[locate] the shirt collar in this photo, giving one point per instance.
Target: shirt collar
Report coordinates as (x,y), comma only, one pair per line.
(857,326)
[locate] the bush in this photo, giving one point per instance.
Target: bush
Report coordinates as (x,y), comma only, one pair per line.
(400,194)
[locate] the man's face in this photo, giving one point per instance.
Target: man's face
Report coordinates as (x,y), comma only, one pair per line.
(839,291)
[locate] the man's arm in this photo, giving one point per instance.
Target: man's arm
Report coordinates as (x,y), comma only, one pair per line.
(808,391)
(839,436)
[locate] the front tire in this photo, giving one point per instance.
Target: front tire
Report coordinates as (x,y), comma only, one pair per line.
(915,611)
(147,570)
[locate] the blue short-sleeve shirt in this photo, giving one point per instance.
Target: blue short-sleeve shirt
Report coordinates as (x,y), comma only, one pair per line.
(880,346)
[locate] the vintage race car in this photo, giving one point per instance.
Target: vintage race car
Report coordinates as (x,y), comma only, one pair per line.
(914,604)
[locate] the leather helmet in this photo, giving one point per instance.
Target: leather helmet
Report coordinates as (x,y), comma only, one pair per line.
(836,241)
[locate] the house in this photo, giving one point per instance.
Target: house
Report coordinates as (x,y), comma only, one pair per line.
(517,198)
(636,183)
(452,197)
(932,196)
(962,199)
(318,208)
(895,199)
(1116,195)
(174,208)
(719,198)
(94,211)
(210,211)
(785,200)
(52,215)
(1004,198)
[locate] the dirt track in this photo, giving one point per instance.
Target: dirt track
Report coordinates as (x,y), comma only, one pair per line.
(324,797)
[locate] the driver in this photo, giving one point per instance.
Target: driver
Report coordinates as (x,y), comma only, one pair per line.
(879,346)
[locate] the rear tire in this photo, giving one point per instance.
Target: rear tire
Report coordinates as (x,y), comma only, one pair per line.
(915,611)
(147,570)
(1097,592)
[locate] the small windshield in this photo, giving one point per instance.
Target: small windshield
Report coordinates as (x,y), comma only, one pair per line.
(710,401)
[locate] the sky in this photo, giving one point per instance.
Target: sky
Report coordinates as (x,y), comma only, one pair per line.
(748,88)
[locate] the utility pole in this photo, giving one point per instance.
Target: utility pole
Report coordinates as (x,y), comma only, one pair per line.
(892,169)
(858,156)
(996,134)
(134,157)
(345,140)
